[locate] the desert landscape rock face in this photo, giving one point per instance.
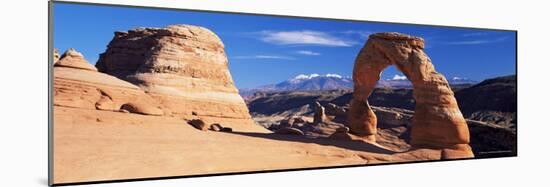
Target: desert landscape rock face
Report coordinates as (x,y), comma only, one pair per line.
(493,100)
(164,99)
(77,84)
(183,67)
(437,123)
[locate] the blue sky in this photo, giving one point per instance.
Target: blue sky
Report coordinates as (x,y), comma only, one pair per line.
(266,49)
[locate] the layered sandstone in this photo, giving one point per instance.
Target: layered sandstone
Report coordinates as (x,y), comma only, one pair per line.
(77,84)
(73,59)
(183,67)
(437,122)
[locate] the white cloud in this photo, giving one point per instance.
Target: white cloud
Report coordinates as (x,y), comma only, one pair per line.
(310,53)
(476,42)
(304,37)
(360,33)
(264,57)
(399,77)
(469,42)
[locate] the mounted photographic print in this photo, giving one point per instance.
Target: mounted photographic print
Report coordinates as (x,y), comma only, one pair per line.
(143,93)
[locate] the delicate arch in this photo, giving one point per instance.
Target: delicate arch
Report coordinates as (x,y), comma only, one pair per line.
(437,122)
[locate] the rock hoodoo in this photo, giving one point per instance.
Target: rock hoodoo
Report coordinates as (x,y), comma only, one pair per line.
(437,122)
(319,116)
(183,67)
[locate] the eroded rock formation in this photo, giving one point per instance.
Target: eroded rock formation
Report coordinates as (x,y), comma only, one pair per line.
(77,84)
(437,122)
(319,116)
(183,67)
(73,59)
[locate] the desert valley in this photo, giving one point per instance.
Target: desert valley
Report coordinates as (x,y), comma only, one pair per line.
(162,102)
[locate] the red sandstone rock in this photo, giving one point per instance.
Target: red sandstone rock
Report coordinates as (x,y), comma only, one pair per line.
(141,108)
(73,59)
(216,127)
(106,103)
(437,122)
(199,124)
(183,67)
(77,86)
(361,119)
(319,116)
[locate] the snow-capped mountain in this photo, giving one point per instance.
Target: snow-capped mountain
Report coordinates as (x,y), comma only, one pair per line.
(312,82)
(398,81)
(460,80)
(401,81)
(316,82)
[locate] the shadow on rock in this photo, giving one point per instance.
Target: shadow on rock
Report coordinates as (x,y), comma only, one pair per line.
(355,145)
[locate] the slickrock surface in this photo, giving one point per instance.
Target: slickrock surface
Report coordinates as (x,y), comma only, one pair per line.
(108,129)
(77,84)
(438,122)
(103,145)
(183,67)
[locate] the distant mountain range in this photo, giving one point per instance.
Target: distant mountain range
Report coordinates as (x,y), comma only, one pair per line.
(312,82)
(316,82)
(490,108)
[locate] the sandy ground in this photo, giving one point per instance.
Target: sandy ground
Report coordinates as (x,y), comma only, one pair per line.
(92,145)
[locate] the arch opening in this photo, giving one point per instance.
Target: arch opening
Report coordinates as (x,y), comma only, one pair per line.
(437,122)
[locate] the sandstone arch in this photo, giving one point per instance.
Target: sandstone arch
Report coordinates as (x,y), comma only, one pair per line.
(437,122)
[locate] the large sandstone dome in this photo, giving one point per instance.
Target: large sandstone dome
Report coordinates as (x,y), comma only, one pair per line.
(184,67)
(163,50)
